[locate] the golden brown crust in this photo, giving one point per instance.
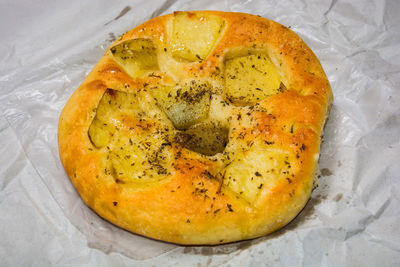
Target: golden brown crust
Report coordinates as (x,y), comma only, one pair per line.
(193,205)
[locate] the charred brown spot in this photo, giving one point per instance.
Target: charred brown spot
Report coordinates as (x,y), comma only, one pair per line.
(191,14)
(111,92)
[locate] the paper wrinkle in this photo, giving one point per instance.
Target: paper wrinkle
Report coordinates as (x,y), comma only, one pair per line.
(167,4)
(353,215)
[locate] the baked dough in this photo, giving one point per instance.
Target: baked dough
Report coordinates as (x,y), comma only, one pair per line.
(198,128)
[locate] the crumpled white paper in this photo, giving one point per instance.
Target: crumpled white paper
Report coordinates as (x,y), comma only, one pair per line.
(48,47)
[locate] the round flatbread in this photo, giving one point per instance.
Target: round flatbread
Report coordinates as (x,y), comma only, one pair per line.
(198,127)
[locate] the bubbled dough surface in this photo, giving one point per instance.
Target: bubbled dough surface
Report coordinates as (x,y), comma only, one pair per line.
(192,205)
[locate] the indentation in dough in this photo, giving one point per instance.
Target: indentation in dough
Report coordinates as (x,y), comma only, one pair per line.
(137,56)
(251,78)
(194,35)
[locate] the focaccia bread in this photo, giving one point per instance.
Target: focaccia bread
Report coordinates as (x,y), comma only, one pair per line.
(198,128)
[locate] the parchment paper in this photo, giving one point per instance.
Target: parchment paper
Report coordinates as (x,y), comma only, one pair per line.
(48,47)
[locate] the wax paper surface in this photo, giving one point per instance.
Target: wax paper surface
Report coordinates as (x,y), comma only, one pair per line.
(47,49)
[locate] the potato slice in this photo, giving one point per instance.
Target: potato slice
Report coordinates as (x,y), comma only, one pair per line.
(112,107)
(141,156)
(207,138)
(255,170)
(137,56)
(194,35)
(184,105)
(251,78)
(100,133)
